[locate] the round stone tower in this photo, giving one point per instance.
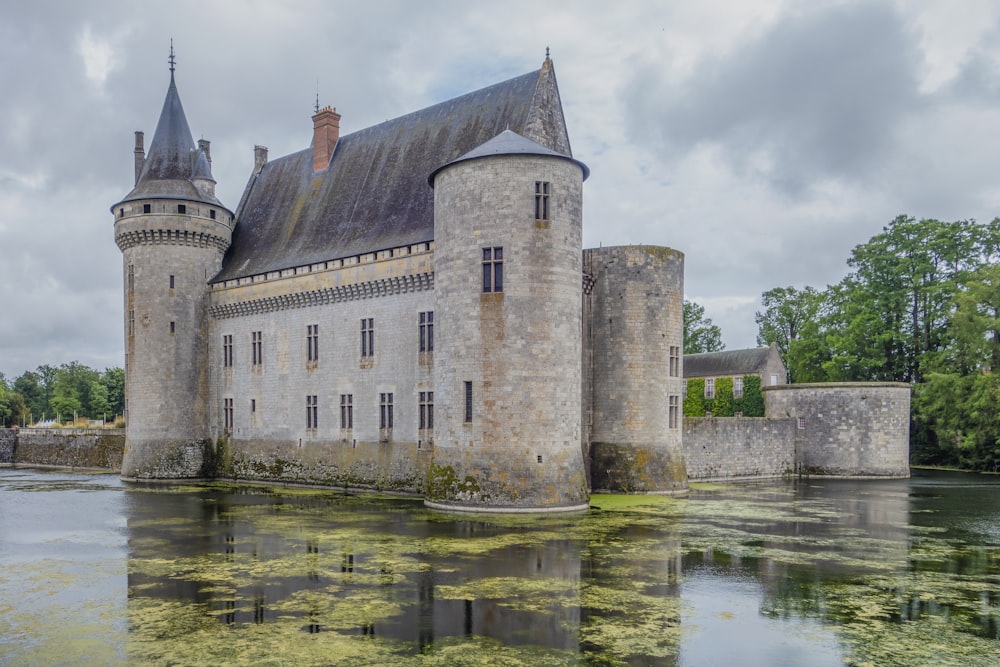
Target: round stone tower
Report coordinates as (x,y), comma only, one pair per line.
(507,374)
(172,232)
(634,358)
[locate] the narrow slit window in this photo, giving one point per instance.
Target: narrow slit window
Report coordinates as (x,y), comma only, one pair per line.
(468,402)
(541,200)
(427,331)
(367,337)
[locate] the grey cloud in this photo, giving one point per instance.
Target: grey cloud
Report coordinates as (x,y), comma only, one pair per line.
(816,96)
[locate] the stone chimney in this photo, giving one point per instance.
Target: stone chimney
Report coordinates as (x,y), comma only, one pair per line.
(140,155)
(203,146)
(326,131)
(259,158)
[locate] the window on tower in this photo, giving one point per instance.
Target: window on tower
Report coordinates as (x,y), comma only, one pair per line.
(493,269)
(541,200)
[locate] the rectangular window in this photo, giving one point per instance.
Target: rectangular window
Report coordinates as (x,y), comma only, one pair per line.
(347,411)
(673,414)
(182,208)
(385,411)
(253,405)
(312,412)
(802,423)
(131,276)
(131,323)
(710,388)
(257,348)
(426,410)
(468,402)
(312,342)
(227,414)
(675,361)
(367,337)
(171,282)
(737,387)
(427,331)
(493,269)
(171,327)
(211,214)
(541,200)
(147,208)
(227,351)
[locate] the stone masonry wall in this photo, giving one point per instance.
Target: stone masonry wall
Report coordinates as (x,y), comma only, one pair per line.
(851,429)
(8,443)
(633,360)
(70,448)
(729,448)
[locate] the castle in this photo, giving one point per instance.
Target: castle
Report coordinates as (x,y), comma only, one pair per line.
(406,308)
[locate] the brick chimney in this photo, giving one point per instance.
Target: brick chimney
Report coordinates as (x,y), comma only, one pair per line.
(326,131)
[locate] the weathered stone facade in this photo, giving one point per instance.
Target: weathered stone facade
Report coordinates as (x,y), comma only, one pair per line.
(633,316)
(507,366)
(847,429)
(733,448)
(63,448)
(8,444)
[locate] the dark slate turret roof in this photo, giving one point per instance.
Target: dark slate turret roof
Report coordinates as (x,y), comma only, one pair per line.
(172,161)
(375,195)
(727,362)
(508,143)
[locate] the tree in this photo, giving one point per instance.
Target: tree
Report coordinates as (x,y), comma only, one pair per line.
(113,380)
(5,411)
(29,385)
(700,334)
(787,312)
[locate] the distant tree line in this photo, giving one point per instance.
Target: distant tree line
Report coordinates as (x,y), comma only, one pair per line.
(921,304)
(66,392)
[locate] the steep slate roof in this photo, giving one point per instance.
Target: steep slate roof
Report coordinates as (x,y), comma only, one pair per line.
(172,160)
(375,194)
(727,362)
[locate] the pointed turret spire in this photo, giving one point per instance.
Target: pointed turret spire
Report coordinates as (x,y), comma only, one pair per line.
(173,165)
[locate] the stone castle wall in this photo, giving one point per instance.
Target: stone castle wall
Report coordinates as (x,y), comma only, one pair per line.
(8,445)
(515,353)
(63,447)
(728,448)
(633,318)
(852,429)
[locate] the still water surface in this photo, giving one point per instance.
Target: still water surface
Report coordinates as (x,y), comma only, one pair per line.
(93,571)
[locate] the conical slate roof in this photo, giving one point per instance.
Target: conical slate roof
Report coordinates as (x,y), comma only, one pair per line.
(508,143)
(172,161)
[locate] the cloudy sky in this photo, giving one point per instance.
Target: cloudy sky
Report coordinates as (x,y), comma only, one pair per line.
(762,138)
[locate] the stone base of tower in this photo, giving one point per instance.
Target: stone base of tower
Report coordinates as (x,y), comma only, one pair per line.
(471,481)
(168,460)
(638,468)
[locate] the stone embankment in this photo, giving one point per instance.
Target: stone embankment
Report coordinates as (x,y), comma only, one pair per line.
(63,448)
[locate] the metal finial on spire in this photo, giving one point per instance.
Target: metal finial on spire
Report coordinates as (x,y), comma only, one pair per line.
(546,53)
(317,96)
(171,59)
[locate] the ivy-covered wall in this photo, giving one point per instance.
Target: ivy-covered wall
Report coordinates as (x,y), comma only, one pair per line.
(724,404)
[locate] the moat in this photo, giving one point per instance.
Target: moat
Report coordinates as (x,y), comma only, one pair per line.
(818,572)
